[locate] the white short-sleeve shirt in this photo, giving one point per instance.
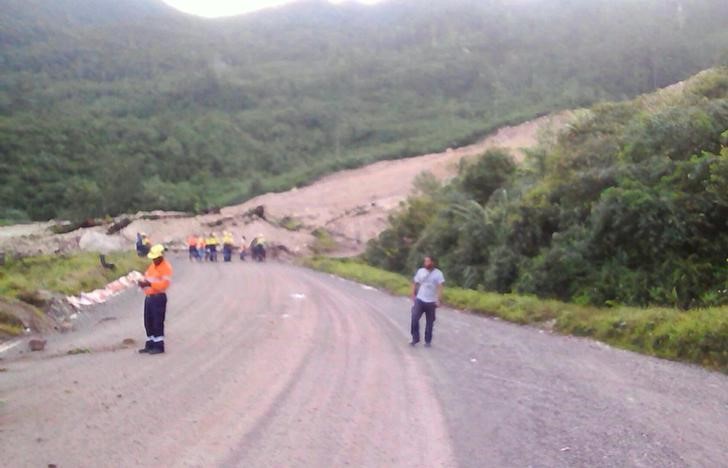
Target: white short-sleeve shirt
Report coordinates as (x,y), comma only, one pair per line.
(428,281)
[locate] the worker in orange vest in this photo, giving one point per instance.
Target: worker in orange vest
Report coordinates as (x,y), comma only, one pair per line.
(201,248)
(243,248)
(192,247)
(156,281)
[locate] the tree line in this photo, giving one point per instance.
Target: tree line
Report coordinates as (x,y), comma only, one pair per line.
(629,205)
(110,107)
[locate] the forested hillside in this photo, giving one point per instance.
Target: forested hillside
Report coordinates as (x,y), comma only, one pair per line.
(628,205)
(112,106)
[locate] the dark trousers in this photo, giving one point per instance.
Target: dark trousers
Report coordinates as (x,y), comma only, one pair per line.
(155,308)
(427,308)
(227,252)
(213,253)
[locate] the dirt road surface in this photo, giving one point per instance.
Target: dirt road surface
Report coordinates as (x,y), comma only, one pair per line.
(274,366)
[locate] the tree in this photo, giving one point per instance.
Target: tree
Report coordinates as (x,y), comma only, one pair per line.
(487,174)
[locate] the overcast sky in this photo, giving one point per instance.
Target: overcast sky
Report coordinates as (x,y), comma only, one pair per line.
(215,8)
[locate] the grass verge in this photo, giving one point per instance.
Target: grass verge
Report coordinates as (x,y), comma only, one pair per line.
(698,336)
(64,274)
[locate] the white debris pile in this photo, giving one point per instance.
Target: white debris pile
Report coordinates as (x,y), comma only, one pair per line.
(94,241)
(100,296)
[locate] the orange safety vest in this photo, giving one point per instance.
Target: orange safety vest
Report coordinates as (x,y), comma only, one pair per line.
(160,276)
(192,241)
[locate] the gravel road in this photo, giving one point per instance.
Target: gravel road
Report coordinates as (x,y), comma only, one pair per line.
(274,366)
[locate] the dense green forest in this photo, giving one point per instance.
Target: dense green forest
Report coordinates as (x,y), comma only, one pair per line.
(118,105)
(629,205)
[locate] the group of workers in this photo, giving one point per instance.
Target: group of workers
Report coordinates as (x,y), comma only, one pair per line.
(205,248)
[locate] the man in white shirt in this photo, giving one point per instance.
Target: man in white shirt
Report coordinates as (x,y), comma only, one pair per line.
(427,296)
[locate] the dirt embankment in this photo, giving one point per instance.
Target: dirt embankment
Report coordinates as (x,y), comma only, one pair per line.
(352,206)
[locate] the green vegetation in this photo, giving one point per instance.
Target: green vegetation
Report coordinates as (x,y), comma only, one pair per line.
(20,279)
(290,223)
(323,241)
(10,325)
(109,107)
(627,206)
(67,275)
(699,336)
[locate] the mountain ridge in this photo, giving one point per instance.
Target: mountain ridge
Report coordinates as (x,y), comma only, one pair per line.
(186,113)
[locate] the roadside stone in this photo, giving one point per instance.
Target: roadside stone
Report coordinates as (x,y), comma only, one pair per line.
(92,241)
(40,298)
(37,345)
(128,342)
(549,325)
(59,308)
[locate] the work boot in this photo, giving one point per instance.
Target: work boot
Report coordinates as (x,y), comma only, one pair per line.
(157,348)
(147,346)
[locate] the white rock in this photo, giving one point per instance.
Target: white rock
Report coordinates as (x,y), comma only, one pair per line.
(94,241)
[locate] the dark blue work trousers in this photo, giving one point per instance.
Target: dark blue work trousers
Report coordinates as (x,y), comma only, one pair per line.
(227,252)
(427,308)
(155,308)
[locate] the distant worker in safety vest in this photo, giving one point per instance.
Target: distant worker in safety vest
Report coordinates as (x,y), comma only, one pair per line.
(156,281)
(212,243)
(147,241)
(143,244)
(257,248)
(228,242)
(192,247)
(201,248)
(243,248)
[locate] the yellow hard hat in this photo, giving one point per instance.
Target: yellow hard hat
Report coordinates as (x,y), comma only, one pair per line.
(156,251)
